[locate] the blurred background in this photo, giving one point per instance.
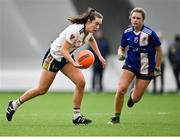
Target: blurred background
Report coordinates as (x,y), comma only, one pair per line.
(28,26)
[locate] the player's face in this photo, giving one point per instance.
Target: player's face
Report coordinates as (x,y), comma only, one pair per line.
(94,25)
(137,20)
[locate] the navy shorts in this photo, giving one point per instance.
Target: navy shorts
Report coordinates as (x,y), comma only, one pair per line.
(51,64)
(138,75)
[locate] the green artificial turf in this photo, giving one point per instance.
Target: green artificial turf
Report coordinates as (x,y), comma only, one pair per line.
(50,115)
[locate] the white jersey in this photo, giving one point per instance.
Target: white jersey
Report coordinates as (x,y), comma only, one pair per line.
(73,34)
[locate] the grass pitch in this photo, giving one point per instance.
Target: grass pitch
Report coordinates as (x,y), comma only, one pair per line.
(50,115)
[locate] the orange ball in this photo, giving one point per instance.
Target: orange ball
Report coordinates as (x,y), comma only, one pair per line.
(85,58)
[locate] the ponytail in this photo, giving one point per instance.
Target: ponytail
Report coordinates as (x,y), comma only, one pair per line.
(90,14)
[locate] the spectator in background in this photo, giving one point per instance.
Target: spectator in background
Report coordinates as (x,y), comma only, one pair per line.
(164,47)
(174,58)
(98,70)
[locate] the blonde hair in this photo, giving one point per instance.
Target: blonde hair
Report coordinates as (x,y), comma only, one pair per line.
(139,10)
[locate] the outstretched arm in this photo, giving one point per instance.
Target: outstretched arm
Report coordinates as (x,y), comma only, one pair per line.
(95,48)
(159,55)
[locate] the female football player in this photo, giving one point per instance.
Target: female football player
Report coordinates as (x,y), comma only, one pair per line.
(59,57)
(142,61)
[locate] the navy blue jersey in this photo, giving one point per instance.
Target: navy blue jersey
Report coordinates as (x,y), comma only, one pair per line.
(141,49)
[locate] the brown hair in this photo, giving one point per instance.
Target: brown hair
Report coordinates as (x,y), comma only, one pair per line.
(90,14)
(139,10)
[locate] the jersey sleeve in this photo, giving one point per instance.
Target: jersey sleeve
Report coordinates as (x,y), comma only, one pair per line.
(123,42)
(155,39)
(72,35)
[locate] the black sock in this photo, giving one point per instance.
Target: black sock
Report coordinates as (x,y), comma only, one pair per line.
(20,101)
(117,114)
(130,99)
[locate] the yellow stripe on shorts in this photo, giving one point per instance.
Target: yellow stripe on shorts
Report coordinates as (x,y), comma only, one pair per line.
(47,62)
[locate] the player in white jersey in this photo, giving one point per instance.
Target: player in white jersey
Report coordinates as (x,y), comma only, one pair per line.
(59,57)
(142,61)
(74,35)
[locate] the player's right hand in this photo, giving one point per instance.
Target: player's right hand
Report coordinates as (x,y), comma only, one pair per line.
(121,57)
(77,65)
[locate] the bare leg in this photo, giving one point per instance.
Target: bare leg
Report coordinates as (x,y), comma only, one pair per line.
(140,87)
(45,81)
(78,79)
(125,79)
(124,82)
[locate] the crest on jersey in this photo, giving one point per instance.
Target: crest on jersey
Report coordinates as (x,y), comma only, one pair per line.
(72,37)
(144,40)
(136,40)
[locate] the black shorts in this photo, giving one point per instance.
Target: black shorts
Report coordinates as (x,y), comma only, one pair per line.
(138,75)
(51,64)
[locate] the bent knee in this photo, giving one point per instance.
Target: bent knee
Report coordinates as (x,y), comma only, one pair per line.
(136,99)
(42,90)
(121,90)
(81,84)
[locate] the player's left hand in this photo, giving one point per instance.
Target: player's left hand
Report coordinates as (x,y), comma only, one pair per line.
(103,61)
(77,65)
(157,72)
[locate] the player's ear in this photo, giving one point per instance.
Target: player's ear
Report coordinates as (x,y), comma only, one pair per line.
(89,21)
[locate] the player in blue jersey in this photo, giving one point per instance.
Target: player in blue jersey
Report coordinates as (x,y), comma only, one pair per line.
(59,57)
(142,61)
